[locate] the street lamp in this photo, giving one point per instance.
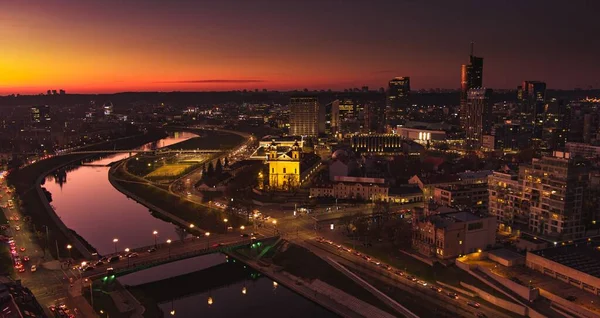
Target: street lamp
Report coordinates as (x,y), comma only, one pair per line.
(115,240)
(274,227)
(192,226)
(155,233)
(127,252)
(210,300)
(207,234)
(69,249)
(169,243)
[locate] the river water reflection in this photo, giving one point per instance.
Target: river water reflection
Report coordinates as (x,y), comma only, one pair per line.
(88,204)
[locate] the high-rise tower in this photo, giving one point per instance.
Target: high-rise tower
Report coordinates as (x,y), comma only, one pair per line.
(471,76)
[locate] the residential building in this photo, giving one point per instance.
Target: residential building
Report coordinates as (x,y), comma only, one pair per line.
(506,201)
(447,233)
(427,183)
(554,187)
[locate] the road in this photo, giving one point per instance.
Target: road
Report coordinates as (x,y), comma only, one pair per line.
(164,251)
(49,285)
(300,230)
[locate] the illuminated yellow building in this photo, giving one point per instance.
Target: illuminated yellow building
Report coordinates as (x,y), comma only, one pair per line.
(284,168)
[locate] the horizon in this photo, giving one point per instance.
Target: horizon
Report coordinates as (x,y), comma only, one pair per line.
(204,46)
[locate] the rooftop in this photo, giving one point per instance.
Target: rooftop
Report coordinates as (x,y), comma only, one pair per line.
(582,257)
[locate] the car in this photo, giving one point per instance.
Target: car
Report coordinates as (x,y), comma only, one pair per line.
(21,269)
(89,268)
(412,278)
(134,254)
(114,259)
(452,295)
(33,268)
(104,260)
(245,235)
(422,283)
(473,304)
(110,271)
(436,288)
(25,258)
(152,250)
(22,249)
(99,263)
(18,265)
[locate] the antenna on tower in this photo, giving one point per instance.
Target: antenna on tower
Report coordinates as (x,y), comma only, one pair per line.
(472,45)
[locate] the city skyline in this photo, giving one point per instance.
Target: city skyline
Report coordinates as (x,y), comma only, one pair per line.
(105,47)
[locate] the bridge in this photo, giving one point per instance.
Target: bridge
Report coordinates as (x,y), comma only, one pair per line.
(157,151)
(172,252)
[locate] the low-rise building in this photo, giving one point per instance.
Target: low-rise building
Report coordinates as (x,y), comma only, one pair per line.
(372,189)
(584,150)
(577,265)
(429,182)
(473,196)
(452,233)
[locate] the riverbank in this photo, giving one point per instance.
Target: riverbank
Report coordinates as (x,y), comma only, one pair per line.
(163,202)
(306,274)
(27,183)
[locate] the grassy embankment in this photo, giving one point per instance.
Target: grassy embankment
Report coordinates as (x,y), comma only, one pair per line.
(201,216)
(31,204)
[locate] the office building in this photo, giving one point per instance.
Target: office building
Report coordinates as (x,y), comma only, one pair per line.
(373,117)
(583,150)
(332,117)
(531,98)
(40,116)
(556,123)
(307,118)
(471,76)
(478,112)
(398,99)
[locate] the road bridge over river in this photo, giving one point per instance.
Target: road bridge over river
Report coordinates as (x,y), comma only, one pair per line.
(170,252)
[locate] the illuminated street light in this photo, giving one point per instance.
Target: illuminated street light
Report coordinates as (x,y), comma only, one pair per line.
(242,227)
(127,252)
(169,243)
(225,220)
(192,226)
(207,234)
(210,301)
(244,291)
(115,240)
(155,233)
(69,248)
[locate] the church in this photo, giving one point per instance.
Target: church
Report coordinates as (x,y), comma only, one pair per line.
(284,167)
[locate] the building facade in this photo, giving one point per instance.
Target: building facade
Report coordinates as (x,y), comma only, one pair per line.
(473,196)
(478,116)
(471,76)
(554,186)
(306,117)
(506,201)
(452,234)
(284,168)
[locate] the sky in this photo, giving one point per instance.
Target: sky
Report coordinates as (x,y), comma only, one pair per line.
(103,46)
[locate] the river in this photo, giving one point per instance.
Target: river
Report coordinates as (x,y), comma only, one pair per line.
(87,203)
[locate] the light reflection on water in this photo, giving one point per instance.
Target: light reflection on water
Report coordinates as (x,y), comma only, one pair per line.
(88,204)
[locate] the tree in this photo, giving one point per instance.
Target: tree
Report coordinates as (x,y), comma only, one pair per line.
(226,163)
(219,168)
(181,233)
(210,172)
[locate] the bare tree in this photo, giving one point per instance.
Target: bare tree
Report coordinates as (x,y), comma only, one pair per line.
(181,232)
